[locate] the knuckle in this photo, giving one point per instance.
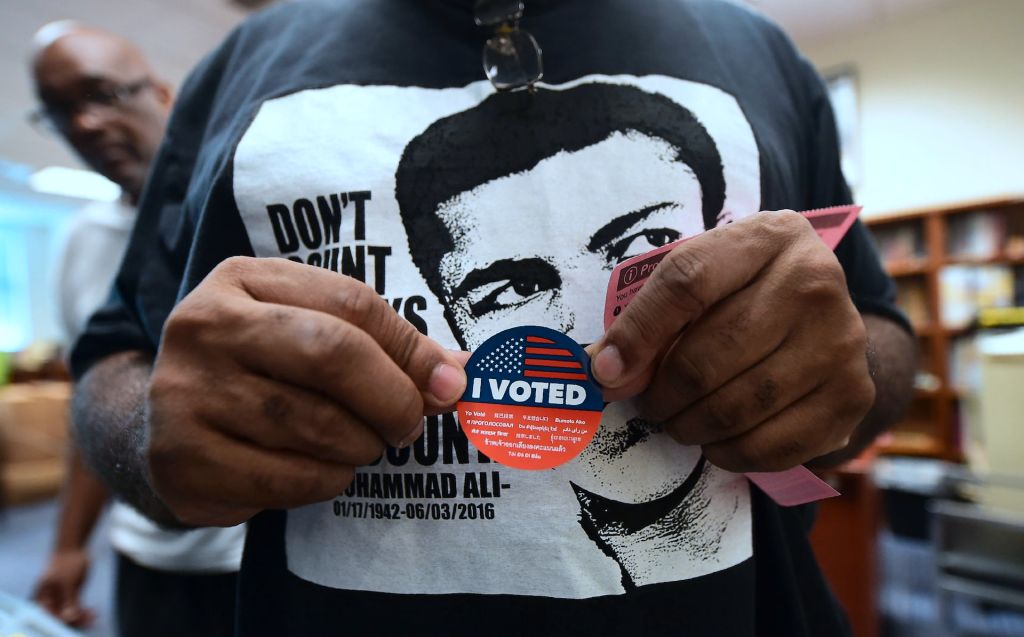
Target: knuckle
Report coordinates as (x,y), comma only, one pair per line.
(404,343)
(345,477)
(848,355)
(861,395)
(686,273)
(748,457)
(838,441)
(785,222)
(334,347)
(359,302)
(340,480)
(161,459)
(309,487)
(855,399)
(855,339)
(727,457)
(233,268)
(739,323)
(781,455)
(838,444)
(344,441)
(829,265)
(816,286)
(362,305)
(853,324)
(159,445)
(720,412)
(276,407)
(750,454)
(766,393)
(301,485)
(167,390)
(314,484)
(688,374)
(184,323)
(407,412)
(642,327)
(789,452)
(198,319)
(678,432)
(321,426)
(366,453)
(818,258)
(165,455)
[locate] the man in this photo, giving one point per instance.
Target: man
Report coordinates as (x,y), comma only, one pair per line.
(98,93)
(296,397)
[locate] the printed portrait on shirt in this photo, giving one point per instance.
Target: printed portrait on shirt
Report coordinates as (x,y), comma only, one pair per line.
(636,172)
(471,212)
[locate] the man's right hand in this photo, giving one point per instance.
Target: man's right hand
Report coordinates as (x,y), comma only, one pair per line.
(60,585)
(275,380)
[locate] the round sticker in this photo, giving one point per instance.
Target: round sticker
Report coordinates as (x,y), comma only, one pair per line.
(531,402)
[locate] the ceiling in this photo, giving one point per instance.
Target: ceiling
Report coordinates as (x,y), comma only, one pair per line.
(814,21)
(176,34)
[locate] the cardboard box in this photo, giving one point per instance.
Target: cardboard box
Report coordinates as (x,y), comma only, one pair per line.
(34,421)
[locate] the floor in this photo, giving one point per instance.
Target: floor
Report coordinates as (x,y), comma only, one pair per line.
(907,597)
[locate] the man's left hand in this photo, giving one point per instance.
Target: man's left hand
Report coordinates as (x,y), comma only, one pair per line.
(745,341)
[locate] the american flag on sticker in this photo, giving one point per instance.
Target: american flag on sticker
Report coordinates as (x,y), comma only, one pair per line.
(530,402)
(532,357)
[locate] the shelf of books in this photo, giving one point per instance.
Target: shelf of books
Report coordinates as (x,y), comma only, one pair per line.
(949,264)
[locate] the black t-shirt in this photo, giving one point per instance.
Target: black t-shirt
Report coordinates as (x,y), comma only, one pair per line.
(360,136)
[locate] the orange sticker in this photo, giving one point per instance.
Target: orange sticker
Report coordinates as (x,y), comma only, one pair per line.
(531,402)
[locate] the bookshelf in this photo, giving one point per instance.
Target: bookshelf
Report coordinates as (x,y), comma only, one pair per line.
(948,263)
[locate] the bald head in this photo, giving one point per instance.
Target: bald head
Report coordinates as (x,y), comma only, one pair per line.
(101,95)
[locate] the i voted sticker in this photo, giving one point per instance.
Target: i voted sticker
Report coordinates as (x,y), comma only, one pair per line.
(531,401)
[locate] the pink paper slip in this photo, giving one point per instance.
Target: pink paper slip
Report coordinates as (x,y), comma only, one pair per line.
(787,488)
(832,223)
(792,486)
(629,276)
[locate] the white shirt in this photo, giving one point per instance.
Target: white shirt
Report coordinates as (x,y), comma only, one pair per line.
(95,243)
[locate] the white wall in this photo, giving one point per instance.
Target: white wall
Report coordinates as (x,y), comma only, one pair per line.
(942,104)
(173,34)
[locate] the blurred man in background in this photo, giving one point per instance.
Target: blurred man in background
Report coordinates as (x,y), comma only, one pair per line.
(97,92)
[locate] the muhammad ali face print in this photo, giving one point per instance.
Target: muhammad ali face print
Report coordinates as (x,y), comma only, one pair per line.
(485,211)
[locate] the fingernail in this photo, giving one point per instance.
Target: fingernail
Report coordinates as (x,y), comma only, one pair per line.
(608,365)
(411,437)
(447,383)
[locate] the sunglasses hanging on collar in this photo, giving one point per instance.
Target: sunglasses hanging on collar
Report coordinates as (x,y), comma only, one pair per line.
(512,58)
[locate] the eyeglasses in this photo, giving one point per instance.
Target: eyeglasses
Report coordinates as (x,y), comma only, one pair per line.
(57,118)
(512,58)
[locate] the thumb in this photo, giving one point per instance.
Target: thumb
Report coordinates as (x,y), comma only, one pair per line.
(611,368)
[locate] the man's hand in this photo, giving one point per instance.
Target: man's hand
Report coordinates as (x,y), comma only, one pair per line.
(275,380)
(59,588)
(745,341)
